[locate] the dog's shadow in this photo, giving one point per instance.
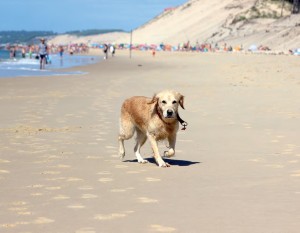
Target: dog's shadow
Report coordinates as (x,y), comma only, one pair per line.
(172,162)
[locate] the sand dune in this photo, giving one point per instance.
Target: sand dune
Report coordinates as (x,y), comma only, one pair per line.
(234,22)
(231,21)
(103,38)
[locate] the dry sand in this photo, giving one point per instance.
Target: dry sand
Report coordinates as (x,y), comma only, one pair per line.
(236,169)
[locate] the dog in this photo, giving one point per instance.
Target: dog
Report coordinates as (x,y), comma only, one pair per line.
(155,119)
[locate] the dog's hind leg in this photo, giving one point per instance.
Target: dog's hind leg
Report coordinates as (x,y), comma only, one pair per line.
(126,132)
(140,140)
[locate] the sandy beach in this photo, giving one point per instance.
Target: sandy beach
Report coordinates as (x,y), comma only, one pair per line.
(236,170)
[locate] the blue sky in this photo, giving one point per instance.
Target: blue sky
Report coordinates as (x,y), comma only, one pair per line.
(67,15)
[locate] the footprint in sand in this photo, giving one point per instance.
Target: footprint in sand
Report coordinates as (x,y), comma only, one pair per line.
(78,206)
(35,186)
(146,200)
(50,172)
(160,228)
(274,165)
(86,230)
(61,197)
(296,173)
(104,173)
(256,160)
(53,188)
(274,141)
(20,208)
(73,179)
(290,148)
(247,126)
(118,190)
(12,225)
(36,194)
(85,188)
(112,216)
(4,161)
(43,220)
(63,166)
(106,180)
(94,157)
(4,172)
(88,196)
(150,179)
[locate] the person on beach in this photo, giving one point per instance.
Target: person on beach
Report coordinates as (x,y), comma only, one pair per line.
(61,51)
(153,53)
(13,53)
(30,51)
(43,53)
(23,52)
(112,50)
(105,51)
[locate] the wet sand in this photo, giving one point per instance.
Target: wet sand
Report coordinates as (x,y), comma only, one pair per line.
(236,170)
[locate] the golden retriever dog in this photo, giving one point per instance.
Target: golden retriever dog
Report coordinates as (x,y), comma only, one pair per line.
(156,119)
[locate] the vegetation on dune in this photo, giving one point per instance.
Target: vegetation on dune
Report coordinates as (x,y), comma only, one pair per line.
(15,37)
(267,9)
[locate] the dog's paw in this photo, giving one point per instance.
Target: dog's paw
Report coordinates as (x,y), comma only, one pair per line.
(143,161)
(164,165)
(169,153)
(122,155)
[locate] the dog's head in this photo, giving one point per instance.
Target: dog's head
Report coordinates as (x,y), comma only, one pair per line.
(167,103)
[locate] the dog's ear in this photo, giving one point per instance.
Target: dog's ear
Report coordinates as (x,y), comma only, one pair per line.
(154,100)
(181,101)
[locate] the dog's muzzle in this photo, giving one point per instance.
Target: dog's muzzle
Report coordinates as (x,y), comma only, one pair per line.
(169,113)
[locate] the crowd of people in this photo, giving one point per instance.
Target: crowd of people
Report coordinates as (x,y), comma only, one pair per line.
(197,47)
(42,51)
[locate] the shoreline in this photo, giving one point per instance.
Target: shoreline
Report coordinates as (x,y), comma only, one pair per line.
(25,67)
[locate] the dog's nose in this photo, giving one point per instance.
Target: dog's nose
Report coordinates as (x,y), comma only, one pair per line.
(169,112)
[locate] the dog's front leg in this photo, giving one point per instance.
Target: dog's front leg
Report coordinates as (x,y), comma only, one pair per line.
(157,156)
(172,142)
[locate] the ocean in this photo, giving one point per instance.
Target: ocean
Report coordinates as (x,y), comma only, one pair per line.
(24,67)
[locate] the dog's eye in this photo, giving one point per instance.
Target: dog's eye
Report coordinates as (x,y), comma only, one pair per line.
(174,102)
(164,102)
